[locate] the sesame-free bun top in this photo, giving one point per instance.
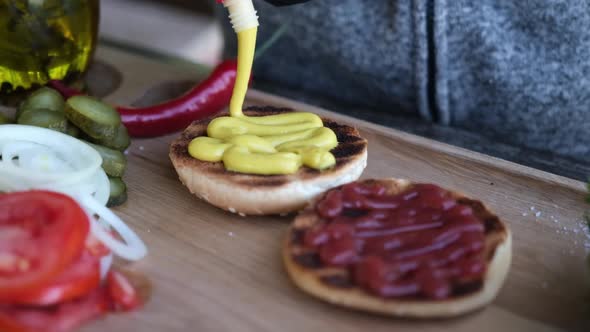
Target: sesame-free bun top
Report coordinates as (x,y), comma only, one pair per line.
(250,194)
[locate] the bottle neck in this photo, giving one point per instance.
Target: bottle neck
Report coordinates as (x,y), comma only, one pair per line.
(242,14)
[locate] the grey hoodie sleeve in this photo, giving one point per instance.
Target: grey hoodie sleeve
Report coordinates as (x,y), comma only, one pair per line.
(516,71)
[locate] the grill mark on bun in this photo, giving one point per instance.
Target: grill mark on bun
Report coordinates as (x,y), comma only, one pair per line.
(309,260)
(468,288)
(338,281)
(297,237)
(346,150)
(491,222)
(266,110)
(273,181)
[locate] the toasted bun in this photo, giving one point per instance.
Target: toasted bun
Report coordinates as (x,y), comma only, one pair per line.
(249,194)
(333,285)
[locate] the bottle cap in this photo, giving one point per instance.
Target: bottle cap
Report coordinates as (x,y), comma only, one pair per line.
(241,14)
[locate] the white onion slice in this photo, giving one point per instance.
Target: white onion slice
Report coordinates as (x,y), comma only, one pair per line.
(42,159)
(39,158)
(132,249)
(11,150)
(81,157)
(105,265)
(103,187)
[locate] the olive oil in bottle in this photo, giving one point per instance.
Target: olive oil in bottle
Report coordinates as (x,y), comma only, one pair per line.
(42,40)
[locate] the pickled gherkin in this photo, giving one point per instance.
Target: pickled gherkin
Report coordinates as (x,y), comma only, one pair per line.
(41,40)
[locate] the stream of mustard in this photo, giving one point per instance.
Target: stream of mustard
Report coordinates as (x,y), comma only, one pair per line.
(265,145)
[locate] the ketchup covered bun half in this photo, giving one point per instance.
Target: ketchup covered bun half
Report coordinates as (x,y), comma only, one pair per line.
(400,249)
(250,194)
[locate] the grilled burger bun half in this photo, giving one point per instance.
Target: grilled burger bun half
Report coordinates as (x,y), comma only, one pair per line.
(251,194)
(337,286)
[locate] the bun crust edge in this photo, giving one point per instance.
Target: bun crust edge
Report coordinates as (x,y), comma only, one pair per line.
(290,197)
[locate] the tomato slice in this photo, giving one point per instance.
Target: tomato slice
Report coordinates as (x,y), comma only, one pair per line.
(8,324)
(123,295)
(96,247)
(120,292)
(64,317)
(77,280)
(41,233)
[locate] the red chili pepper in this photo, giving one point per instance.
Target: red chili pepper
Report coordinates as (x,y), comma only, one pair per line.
(208,97)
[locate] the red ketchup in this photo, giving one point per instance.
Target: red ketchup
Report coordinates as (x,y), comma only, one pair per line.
(420,243)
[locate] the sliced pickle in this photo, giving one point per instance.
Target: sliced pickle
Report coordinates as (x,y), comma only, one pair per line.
(45,118)
(45,98)
(72,130)
(120,142)
(95,118)
(114,162)
(118,193)
(4,119)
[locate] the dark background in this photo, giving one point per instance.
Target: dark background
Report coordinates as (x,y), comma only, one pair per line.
(202,6)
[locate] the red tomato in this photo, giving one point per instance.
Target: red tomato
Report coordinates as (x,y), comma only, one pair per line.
(77,280)
(41,233)
(7,324)
(96,248)
(64,317)
(123,295)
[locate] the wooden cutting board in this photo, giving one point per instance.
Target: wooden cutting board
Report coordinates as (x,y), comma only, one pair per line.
(214,271)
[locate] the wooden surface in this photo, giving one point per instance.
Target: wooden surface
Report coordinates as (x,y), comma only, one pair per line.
(213,271)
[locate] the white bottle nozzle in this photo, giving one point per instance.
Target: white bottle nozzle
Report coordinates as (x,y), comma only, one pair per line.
(241,14)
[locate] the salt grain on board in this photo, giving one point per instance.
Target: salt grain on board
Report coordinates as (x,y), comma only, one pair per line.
(538,214)
(580,227)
